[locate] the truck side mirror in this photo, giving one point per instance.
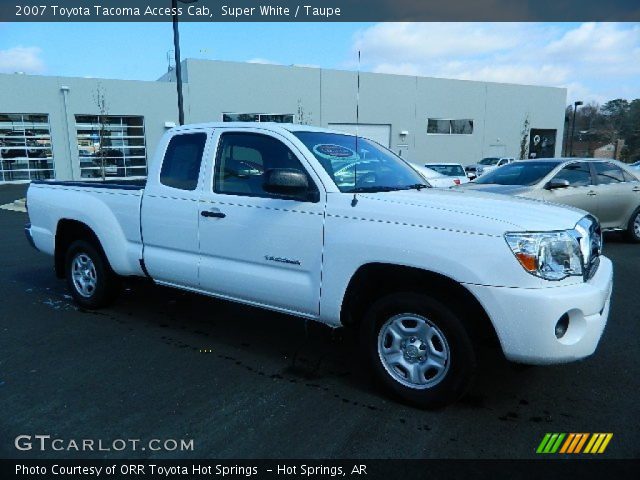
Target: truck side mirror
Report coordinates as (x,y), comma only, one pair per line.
(290,182)
(555,183)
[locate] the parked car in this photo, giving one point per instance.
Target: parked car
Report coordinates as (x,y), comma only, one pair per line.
(453,170)
(379,252)
(486,165)
(435,179)
(608,189)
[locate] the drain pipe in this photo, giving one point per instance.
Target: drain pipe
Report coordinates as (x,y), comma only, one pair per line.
(65,91)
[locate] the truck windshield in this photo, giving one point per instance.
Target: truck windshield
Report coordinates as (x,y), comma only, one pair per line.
(489,161)
(448,170)
(365,167)
(518,173)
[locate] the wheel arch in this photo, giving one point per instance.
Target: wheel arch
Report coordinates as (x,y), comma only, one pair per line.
(373,280)
(67,232)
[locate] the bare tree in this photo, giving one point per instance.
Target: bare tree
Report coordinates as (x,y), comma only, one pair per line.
(524,138)
(302,117)
(103,121)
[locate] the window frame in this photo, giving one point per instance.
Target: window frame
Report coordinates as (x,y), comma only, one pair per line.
(595,174)
(589,166)
(313,194)
(27,122)
(451,126)
(202,158)
(259,115)
(84,126)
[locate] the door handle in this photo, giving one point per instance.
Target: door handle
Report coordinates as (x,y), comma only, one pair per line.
(636,189)
(212,214)
(592,194)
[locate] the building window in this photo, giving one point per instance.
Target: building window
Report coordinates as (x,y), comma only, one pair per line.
(25,147)
(440,126)
(115,144)
(258,117)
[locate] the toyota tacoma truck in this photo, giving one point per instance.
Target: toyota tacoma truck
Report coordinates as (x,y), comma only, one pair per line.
(336,228)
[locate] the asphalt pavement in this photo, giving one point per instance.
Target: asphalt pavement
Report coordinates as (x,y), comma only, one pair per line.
(245,383)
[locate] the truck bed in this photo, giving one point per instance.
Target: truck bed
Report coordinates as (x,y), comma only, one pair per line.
(110,208)
(121,184)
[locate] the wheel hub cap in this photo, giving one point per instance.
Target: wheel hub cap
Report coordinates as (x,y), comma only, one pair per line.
(83,274)
(414,351)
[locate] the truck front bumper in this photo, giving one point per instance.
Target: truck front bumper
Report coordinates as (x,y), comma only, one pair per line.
(526,319)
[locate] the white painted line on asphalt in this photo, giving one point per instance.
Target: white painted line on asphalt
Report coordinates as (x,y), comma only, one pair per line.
(15,206)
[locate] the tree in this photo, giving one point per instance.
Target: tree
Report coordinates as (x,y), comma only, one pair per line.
(630,131)
(524,138)
(614,112)
(302,117)
(103,122)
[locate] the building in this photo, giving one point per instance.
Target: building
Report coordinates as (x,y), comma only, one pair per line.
(68,128)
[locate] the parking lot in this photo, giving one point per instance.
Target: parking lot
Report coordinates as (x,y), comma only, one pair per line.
(244,383)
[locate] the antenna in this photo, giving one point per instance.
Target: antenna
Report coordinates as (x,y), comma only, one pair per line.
(354,201)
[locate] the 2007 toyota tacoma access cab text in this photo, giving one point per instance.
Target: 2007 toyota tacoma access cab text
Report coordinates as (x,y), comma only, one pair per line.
(336,228)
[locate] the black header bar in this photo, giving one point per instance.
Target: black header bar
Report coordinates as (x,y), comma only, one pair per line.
(319,10)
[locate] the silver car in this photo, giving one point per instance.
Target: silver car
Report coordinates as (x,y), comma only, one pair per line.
(608,189)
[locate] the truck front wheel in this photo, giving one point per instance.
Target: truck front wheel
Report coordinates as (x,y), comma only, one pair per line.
(418,349)
(90,279)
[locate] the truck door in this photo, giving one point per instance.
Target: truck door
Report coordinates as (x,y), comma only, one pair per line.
(257,246)
(169,214)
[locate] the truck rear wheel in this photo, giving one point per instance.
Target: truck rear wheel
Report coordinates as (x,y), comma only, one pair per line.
(418,349)
(90,279)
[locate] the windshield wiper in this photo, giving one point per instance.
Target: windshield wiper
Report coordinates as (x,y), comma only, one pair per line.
(417,186)
(373,189)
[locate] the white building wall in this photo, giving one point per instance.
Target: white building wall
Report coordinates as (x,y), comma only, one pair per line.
(326,97)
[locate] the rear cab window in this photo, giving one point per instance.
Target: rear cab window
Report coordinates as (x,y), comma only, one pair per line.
(182,160)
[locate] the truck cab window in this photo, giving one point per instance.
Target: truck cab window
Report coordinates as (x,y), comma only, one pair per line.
(244,158)
(181,165)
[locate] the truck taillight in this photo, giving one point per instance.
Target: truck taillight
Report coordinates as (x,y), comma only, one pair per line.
(456,181)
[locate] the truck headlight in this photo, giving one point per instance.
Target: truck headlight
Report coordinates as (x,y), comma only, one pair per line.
(549,255)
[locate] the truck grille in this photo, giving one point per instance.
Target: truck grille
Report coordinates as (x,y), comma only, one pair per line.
(590,239)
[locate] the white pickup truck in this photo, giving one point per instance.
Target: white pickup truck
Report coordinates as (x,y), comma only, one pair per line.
(256,214)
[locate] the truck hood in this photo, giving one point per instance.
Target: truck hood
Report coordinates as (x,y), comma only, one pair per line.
(465,210)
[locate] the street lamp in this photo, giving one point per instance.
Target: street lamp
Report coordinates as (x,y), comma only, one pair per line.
(573,126)
(176,49)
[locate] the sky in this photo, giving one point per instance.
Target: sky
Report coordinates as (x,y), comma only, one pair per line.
(596,62)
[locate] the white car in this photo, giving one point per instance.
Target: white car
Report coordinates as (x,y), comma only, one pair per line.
(452,170)
(435,179)
(486,165)
(253,213)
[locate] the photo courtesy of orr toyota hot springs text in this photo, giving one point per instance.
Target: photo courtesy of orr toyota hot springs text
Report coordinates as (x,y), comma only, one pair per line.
(308,240)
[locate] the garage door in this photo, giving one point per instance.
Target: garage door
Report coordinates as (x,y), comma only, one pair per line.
(376,132)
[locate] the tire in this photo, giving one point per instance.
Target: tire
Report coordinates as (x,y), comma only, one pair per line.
(429,374)
(633,229)
(90,279)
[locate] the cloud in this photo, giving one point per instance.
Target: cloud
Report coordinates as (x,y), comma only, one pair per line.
(591,60)
(21,59)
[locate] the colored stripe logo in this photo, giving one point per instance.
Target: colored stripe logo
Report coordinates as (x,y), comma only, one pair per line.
(573,443)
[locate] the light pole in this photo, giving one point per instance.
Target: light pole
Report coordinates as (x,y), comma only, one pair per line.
(573,126)
(176,49)
(565,138)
